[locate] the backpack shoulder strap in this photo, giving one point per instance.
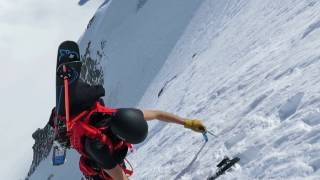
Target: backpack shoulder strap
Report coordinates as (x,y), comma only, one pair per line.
(101,108)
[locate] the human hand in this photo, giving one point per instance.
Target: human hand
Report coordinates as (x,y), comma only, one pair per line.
(195,125)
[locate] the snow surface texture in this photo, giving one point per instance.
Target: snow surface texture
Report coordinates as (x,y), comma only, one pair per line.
(248,68)
(135,38)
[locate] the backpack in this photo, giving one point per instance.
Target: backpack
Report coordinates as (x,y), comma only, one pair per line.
(80,127)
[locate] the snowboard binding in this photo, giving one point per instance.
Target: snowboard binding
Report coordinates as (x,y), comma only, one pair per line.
(69,70)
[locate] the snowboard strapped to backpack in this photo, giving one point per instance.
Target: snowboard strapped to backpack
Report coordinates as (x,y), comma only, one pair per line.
(73,115)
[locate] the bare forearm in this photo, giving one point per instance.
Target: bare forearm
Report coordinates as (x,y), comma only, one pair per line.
(169,117)
(163,116)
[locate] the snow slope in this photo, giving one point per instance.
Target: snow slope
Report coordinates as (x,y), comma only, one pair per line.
(248,68)
(135,38)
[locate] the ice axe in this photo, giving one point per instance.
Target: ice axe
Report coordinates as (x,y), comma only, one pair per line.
(205,136)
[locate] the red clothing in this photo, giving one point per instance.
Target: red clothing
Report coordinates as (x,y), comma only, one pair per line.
(98,146)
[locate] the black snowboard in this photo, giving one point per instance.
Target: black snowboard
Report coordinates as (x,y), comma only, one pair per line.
(68,67)
(225,165)
(68,55)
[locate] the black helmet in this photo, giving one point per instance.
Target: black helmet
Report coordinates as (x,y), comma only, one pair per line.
(130,125)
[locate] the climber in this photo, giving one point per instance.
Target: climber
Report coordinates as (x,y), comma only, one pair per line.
(103,135)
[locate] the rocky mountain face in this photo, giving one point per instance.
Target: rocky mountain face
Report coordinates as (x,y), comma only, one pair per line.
(42,146)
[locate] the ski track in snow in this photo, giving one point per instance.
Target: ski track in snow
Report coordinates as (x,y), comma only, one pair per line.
(248,68)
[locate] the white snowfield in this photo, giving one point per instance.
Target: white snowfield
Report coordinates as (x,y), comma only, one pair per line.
(250,69)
